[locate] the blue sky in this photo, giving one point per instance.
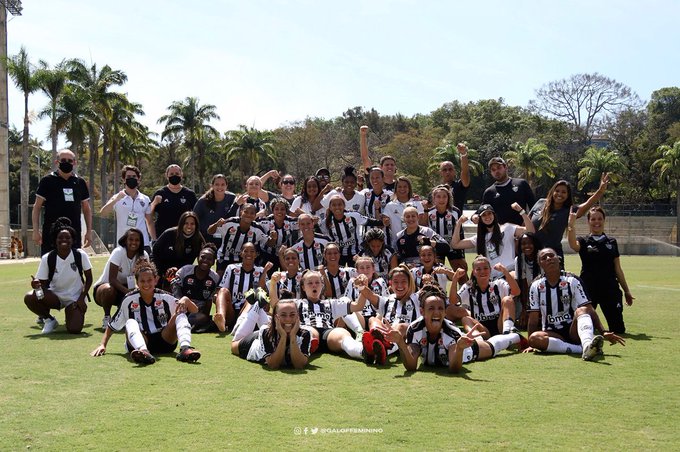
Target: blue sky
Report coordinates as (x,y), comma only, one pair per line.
(266,63)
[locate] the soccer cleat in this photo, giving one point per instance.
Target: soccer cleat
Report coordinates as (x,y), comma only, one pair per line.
(262,298)
(105,321)
(39,320)
(523,342)
(377,334)
(142,357)
(188,355)
(380,352)
(249,296)
(50,325)
(593,349)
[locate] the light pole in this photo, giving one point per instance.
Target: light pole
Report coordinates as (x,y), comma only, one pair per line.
(14,7)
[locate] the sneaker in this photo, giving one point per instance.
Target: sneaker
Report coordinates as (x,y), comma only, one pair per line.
(262,298)
(380,352)
(105,321)
(142,357)
(39,320)
(367,340)
(49,325)
(593,349)
(188,355)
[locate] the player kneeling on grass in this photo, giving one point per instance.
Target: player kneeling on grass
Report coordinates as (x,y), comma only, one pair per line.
(560,315)
(280,341)
(439,341)
(63,279)
(318,316)
(153,320)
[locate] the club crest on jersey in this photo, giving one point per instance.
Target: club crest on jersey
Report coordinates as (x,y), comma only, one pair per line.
(182,200)
(190,280)
(317,245)
(237,270)
(608,245)
(134,306)
(563,284)
(74,267)
(448,216)
(256,273)
(515,188)
(209,282)
(423,341)
(433,216)
(142,203)
(355,206)
(286,226)
(158,303)
(250,233)
(232,230)
(348,219)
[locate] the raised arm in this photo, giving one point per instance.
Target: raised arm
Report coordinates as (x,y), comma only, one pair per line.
(464,165)
(363,146)
(571,232)
(456,242)
(583,208)
(528,224)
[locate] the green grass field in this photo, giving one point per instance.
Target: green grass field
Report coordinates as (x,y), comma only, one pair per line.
(55,396)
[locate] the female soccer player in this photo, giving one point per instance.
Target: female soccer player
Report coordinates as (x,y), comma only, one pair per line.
(213,205)
(59,281)
(178,246)
(309,200)
(376,284)
(439,341)
(354,201)
(429,271)
(394,210)
(117,278)
(374,246)
(318,315)
(291,276)
(282,231)
(442,219)
(601,270)
(493,240)
(199,283)
(335,277)
(154,321)
(526,270)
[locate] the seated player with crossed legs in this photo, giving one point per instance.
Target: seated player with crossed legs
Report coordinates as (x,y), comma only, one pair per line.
(154,320)
(561,319)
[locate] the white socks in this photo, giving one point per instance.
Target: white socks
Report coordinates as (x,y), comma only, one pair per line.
(351,347)
(246,323)
(501,342)
(508,325)
(183,330)
(134,335)
(352,323)
(556,345)
(585,329)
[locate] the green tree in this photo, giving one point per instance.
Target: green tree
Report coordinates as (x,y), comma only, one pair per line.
(532,159)
(448,152)
(52,82)
(123,127)
(596,161)
(664,114)
(252,149)
(668,168)
(189,120)
(20,70)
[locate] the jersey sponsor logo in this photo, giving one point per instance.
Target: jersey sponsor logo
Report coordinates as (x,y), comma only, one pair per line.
(207,293)
(484,317)
(559,318)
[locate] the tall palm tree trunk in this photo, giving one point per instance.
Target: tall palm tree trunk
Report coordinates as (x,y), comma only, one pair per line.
(53,132)
(24,184)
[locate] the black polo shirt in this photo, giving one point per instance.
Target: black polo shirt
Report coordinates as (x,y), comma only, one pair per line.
(171,207)
(62,198)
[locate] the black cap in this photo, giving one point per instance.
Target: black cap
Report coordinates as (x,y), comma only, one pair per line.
(483,208)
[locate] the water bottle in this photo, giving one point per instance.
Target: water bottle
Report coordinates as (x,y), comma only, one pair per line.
(39,293)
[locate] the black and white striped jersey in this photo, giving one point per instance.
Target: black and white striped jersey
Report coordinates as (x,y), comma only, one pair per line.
(484,305)
(233,239)
(556,304)
(239,281)
(265,345)
(435,352)
(399,311)
(340,280)
(369,203)
(286,234)
(323,313)
(439,278)
(291,284)
(381,261)
(311,256)
(444,223)
(378,286)
(348,231)
(200,291)
(152,318)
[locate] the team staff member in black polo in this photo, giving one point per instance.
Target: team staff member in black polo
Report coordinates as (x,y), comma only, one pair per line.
(459,187)
(64,194)
(171,201)
(505,191)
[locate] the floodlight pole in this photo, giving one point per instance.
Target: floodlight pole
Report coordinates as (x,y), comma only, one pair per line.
(4,128)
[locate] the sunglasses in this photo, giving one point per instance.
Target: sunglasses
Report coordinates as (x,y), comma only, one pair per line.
(67,161)
(288,182)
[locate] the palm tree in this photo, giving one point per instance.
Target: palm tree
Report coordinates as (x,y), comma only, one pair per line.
(189,119)
(122,124)
(668,167)
(251,147)
(448,152)
(532,158)
(597,161)
(52,82)
(19,68)
(97,86)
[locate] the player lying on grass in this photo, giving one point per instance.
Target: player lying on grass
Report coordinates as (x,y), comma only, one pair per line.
(280,341)
(154,320)
(439,342)
(561,319)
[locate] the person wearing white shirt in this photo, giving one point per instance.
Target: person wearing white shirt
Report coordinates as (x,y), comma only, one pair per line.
(132,207)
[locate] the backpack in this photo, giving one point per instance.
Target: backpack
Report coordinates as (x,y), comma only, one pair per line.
(52,266)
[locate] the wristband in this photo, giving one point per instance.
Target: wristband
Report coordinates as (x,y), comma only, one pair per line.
(522,212)
(463,155)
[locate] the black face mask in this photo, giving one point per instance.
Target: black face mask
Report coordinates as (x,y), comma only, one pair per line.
(65,167)
(175,180)
(131,182)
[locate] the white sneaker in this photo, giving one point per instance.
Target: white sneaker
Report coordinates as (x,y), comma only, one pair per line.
(105,321)
(593,349)
(50,325)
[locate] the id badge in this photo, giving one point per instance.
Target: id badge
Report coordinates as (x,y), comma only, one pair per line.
(131,282)
(132,219)
(218,235)
(68,195)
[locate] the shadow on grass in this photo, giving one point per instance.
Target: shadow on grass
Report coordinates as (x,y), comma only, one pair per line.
(641,337)
(58,335)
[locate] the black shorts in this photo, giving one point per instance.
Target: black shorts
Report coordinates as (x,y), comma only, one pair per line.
(157,345)
(564,332)
(452,254)
(492,326)
(245,344)
(323,339)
